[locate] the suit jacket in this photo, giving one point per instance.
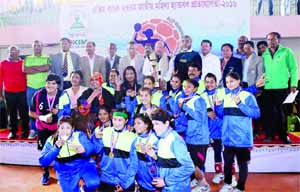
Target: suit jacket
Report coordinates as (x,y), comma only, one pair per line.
(255,69)
(108,66)
(139,63)
(57,64)
(99,66)
(233,65)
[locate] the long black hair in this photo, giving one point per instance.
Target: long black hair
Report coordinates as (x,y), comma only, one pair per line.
(146,119)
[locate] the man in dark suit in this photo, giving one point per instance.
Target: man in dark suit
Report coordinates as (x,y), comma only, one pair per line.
(91,63)
(63,63)
(112,60)
(230,63)
(185,58)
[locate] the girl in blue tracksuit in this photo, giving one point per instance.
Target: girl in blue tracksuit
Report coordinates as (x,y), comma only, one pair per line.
(178,114)
(237,110)
(70,150)
(173,160)
(118,156)
(146,140)
(157,97)
(197,132)
(104,116)
(146,105)
(172,94)
(214,124)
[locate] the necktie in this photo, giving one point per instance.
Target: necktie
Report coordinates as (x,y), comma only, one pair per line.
(65,66)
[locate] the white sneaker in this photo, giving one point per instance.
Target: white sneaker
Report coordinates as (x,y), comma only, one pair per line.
(226,188)
(194,183)
(233,181)
(32,134)
(11,136)
(81,189)
(237,190)
(204,188)
(218,178)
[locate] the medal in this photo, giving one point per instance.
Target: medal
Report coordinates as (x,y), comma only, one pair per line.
(113,142)
(111,155)
(142,147)
(137,146)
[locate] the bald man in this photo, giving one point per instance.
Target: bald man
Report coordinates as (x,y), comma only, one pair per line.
(159,59)
(239,53)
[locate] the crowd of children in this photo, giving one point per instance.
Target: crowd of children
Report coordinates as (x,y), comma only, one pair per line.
(151,140)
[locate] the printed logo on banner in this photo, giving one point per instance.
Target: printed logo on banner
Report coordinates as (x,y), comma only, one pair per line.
(77,32)
(153,30)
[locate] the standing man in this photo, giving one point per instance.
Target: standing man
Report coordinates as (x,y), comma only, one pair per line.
(239,53)
(36,67)
(147,50)
(112,60)
(280,67)
(253,69)
(186,57)
(13,80)
(252,65)
(157,63)
(91,63)
(63,63)
(133,59)
(261,46)
(210,62)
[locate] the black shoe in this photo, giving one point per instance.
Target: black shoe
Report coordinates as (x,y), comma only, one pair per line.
(268,139)
(45,179)
(287,140)
(24,135)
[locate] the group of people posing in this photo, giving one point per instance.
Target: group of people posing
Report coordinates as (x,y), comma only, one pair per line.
(146,121)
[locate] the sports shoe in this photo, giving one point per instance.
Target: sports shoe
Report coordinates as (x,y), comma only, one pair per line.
(45,179)
(233,181)
(11,136)
(203,188)
(218,178)
(82,189)
(24,135)
(237,190)
(226,188)
(194,183)
(32,134)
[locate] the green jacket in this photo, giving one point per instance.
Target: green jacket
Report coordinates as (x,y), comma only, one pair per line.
(279,68)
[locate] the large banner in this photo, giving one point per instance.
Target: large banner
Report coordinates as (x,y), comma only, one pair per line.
(145,22)
(120,21)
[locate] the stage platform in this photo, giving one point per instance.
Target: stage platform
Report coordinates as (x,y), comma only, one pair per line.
(265,158)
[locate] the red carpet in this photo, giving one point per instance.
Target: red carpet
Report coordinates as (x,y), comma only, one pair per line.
(4,134)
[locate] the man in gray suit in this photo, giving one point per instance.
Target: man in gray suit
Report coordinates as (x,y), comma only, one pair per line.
(91,63)
(112,60)
(134,59)
(63,63)
(253,67)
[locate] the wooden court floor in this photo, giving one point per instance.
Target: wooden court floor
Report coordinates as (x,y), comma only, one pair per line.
(27,179)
